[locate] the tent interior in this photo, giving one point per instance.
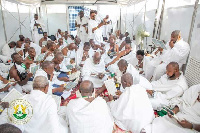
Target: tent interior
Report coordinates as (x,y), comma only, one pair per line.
(156,18)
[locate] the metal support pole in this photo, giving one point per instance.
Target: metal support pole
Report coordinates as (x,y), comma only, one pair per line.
(191,30)
(156,21)
(19,20)
(193,21)
(145,8)
(47,19)
(2,15)
(120,19)
(67,18)
(30,23)
(160,21)
(145,22)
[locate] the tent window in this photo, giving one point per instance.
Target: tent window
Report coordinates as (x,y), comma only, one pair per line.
(73,13)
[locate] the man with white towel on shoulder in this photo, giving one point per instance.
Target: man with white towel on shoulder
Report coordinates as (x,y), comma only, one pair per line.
(45,118)
(7,51)
(133,110)
(177,51)
(125,67)
(186,109)
(169,86)
(94,70)
(88,114)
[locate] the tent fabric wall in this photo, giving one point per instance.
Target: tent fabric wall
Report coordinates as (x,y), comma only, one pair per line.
(174,18)
(2,33)
(11,19)
(55,16)
(17,21)
(195,43)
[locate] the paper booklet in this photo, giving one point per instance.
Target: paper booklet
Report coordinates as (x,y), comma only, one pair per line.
(75,75)
(34,68)
(70,85)
(158,43)
(12,95)
(40,57)
(69,67)
(66,94)
(110,85)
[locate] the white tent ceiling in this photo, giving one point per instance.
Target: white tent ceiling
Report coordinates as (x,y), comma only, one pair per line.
(87,1)
(108,2)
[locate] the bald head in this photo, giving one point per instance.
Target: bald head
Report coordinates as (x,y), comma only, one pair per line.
(174,65)
(58,58)
(8,128)
(122,64)
(86,87)
(121,36)
(172,70)
(96,57)
(77,41)
(60,41)
(12,44)
(127,80)
(49,42)
(57,51)
(72,46)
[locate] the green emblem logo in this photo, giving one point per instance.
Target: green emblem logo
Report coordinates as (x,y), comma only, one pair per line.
(20,111)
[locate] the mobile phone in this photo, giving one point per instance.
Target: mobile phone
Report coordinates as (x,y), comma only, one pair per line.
(170,111)
(7,85)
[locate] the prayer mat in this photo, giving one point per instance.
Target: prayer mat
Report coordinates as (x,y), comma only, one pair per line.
(119,130)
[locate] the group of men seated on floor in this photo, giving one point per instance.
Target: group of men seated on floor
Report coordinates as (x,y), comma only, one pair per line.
(120,88)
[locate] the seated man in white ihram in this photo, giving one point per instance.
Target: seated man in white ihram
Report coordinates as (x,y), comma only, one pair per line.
(125,67)
(45,118)
(169,86)
(88,114)
(7,51)
(133,110)
(94,70)
(186,111)
(177,51)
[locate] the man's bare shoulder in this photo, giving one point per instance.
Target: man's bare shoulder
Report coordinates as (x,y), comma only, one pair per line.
(13,71)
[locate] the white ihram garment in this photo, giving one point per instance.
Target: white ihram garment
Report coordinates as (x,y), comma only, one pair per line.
(86,117)
(133,110)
